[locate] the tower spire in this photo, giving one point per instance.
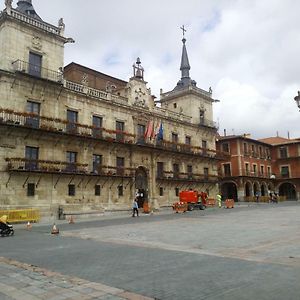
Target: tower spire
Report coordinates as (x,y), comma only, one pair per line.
(184,66)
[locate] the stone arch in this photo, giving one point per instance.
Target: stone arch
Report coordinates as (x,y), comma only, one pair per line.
(287,189)
(141,185)
(229,190)
(263,189)
(256,188)
(248,189)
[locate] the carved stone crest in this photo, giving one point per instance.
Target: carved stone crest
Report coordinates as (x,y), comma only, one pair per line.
(36,42)
(139,98)
(85,79)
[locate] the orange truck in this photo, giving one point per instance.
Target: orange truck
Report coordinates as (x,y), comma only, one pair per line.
(193,199)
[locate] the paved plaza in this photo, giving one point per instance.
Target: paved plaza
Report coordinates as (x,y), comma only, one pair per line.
(249,252)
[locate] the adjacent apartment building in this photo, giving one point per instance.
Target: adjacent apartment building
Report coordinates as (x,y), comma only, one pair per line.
(259,167)
(75,138)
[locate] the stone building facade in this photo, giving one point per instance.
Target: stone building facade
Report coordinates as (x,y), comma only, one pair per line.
(259,167)
(82,140)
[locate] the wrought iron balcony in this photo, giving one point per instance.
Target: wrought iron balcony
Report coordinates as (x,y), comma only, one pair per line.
(59,126)
(185,177)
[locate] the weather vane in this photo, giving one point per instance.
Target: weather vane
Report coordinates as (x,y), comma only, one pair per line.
(183,29)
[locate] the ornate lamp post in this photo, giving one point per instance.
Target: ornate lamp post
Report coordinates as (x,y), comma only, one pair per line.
(297,99)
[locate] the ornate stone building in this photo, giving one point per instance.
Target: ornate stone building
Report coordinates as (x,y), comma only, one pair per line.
(83,140)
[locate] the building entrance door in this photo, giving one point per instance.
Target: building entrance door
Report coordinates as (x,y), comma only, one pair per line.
(141,185)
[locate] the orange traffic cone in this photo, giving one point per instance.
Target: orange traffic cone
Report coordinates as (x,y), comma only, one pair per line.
(28,226)
(71,220)
(54,230)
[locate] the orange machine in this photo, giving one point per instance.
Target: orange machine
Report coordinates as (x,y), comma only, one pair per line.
(193,199)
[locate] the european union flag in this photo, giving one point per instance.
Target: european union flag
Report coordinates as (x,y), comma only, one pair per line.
(160,134)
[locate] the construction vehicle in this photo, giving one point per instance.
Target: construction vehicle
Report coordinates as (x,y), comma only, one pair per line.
(193,199)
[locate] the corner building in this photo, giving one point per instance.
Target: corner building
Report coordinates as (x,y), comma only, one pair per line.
(75,138)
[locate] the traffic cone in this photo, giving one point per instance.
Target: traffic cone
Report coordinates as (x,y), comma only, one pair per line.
(28,226)
(71,220)
(54,230)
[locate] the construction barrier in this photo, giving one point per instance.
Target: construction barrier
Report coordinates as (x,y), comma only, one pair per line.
(21,215)
(146,207)
(210,202)
(180,207)
(229,203)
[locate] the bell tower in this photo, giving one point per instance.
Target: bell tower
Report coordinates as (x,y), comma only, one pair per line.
(28,44)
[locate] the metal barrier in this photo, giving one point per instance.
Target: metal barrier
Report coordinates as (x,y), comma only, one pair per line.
(21,215)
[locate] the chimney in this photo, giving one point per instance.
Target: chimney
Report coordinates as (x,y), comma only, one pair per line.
(288,135)
(224,132)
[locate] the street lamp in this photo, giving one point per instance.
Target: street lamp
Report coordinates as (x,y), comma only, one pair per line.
(297,99)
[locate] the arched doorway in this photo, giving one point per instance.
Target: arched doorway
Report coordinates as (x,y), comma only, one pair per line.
(229,191)
(263,190)
(256,189)
(287,189)
(248,189)
(141,185)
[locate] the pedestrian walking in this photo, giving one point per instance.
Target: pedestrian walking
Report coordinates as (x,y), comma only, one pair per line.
(219,200)
(257,197)
(135,208)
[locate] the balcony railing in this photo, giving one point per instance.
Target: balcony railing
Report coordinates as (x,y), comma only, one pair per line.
(47,166)
(37,71)
(181,176)
(35,22)
(55,125)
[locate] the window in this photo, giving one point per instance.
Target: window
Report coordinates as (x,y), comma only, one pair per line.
(161,191)
(97,163)
(262,170)
(202,116)
(254,170)
(141,129)
(120,128)
(71,161)
(225,147)
(33,108)
(190,171)
(284,171)
(176,191)
(205,172)
(245,149)
(260,151)
(227,170)
(160,169)
(97,190)
(283,152)
(175,171)
(120,190)
(30,189)
(72,118)
(31,155)
(188,142)
(269,171)
(204,147)
(35,64)
(71,189)
(175,105)
(97,127)
(120,166)
(174,140)
(247,169)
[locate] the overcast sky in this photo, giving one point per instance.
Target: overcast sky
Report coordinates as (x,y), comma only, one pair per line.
(247,51)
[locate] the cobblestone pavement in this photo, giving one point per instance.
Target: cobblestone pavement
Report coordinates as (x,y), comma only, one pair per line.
(249,252)
(28,282)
